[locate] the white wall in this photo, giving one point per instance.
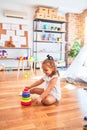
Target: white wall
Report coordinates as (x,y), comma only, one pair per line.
(29,21)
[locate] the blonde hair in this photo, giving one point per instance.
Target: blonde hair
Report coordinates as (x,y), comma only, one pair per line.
(51,64)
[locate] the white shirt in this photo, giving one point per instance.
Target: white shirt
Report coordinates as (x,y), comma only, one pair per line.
(56,91)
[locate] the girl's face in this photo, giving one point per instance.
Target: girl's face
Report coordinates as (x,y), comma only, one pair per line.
(47,70)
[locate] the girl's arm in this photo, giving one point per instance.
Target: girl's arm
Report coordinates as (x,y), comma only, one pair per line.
(38,82)
(49,88)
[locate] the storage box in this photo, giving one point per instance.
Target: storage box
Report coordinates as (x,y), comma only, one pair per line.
(42,10)
(54,17)
(52,11)
(61,18)
(39,15)
(47,16)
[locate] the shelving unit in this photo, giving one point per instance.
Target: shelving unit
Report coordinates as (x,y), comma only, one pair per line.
(10,59)
(49,38)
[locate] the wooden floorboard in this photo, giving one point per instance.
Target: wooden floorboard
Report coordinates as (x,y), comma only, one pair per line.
(67,115)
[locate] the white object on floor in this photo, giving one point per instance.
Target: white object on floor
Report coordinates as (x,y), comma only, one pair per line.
(34,96)
(20,94)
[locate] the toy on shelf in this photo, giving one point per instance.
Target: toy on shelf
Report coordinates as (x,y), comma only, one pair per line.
(21,58)
(9,44)
(30,58)
(3,54)
(26,98)
(36,59)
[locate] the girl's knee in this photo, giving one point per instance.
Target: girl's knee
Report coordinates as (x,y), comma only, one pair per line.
(45,102)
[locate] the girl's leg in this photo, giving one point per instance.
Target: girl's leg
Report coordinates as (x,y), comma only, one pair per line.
(49,100)
(37,91)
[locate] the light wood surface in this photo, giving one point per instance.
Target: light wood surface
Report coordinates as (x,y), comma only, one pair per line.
(67,115)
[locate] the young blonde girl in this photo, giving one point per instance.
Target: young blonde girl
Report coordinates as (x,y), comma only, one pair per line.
(51,93)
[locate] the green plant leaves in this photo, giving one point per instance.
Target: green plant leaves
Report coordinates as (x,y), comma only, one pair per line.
(75,49)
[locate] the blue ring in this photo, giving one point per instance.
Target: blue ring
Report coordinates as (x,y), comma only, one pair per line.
(25,94)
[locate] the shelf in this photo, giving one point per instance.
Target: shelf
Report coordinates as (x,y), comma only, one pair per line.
(49,21)
(49,52)
(49,31)
(47,41)
(14,48)
(49,38)
(7,58)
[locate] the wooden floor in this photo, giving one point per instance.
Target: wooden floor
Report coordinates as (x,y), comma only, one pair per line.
(67,115)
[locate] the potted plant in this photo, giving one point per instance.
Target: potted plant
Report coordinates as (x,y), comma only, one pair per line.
(74,50)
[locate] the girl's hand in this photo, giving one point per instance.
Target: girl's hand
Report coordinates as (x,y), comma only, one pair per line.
(27,87)
(38,100)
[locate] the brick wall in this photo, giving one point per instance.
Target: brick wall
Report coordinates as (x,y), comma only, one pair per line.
(75,26)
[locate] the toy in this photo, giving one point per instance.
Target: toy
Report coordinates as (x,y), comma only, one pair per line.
(36,59)
(22,58)
(26,98)
(30,58)
(3,54)
(26,75)
(85,127)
